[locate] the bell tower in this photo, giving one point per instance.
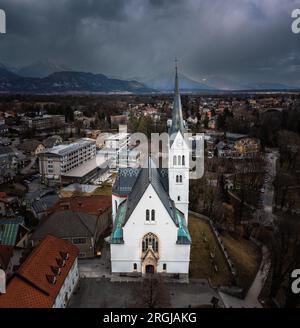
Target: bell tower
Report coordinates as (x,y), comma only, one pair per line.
(178,155)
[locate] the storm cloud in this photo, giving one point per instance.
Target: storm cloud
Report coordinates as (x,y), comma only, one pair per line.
(249,40)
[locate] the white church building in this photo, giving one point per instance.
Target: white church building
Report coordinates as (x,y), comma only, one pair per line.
(150,210)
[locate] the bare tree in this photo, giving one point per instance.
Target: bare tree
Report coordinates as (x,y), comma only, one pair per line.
(285,254)
(152,293)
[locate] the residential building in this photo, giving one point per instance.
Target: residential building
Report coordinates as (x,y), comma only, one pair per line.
(116,151)
(13,232)
(246,147)
(117,141)
(46,279)
(76,160)
(43,206)
(77,225)
(3,129)
(6,263)
(52,141)
(44,122)
(8,205)
(97,205)
(8,164)
(32,147)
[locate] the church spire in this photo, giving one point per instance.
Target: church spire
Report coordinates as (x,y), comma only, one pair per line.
(177,119)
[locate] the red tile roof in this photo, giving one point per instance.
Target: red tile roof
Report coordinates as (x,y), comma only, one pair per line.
(3,194)
(94,205)
(30,286)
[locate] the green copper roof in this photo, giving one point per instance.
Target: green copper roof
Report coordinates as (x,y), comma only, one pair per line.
(183,235)
(177,119)
(117,234)
(9,231)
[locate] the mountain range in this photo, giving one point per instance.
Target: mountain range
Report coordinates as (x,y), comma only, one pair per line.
(165,82)
(66,82)
(49,77)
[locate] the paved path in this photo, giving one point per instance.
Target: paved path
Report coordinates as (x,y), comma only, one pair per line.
(251,299)
(266,216)
(98,267)
(102,293)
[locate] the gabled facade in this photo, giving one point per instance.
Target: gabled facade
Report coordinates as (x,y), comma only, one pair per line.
(150,211)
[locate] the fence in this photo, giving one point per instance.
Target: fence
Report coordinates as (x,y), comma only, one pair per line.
(220,242)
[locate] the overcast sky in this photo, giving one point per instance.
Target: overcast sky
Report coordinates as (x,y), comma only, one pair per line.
(244,39)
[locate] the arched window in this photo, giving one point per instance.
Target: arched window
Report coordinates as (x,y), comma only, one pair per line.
(134,266)
(180,179)
(174,160)
(150,240)
(165,267)
(183,160)
(147,215)
(178,198)
(177,178)
(179,160)
(153,215)
(116,206)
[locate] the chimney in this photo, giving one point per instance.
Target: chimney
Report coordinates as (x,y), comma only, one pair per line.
(2,282)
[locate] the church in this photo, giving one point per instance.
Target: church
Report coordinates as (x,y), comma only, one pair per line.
(150,210)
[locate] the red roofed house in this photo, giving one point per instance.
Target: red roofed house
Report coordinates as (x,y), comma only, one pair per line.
(46,279)
(98,205)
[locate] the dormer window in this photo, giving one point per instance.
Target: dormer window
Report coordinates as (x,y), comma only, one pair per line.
(51,279)
(60,262)
(56,270)
(64,255)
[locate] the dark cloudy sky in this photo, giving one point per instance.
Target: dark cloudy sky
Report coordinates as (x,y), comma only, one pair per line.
(245,39)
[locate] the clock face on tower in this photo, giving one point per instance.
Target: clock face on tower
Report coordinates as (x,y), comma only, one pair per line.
(179,143)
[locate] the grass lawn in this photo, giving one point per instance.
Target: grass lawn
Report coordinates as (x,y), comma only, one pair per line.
(202,265)
(105,189)
(245,256)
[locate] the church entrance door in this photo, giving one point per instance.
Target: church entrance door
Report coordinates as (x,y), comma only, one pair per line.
(150,269)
